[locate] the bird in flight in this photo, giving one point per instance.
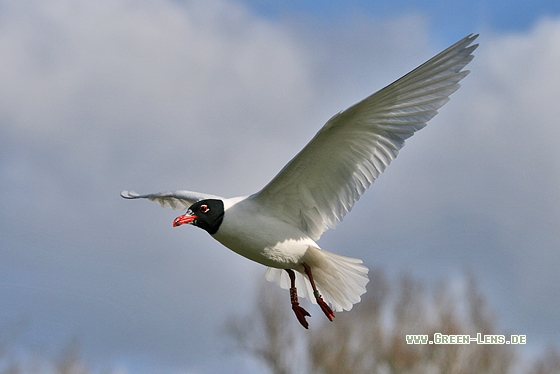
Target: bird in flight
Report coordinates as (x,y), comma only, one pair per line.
(279,225)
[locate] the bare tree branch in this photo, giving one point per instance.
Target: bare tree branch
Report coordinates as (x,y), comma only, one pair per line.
(372,337)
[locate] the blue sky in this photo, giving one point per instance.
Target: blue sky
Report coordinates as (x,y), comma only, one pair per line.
(216,96)
(446,17)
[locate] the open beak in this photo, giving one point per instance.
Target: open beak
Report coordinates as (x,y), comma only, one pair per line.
(185,218)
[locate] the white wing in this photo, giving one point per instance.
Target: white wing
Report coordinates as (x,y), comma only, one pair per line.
(174,199)
(321,184)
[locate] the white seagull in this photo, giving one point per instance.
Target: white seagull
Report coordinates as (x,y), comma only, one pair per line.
(279,225)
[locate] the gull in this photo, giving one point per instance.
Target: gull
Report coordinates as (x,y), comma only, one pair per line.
(279,226)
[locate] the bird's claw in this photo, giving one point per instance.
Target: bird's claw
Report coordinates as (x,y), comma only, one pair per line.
(325,308)
(301,314)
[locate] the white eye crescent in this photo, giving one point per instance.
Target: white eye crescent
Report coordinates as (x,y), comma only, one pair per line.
(204,209)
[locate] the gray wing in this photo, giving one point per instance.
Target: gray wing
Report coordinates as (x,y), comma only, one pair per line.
(173,199)
(316,189)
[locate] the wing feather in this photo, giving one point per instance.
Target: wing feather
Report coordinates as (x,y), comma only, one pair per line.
(316,189)
(176,200)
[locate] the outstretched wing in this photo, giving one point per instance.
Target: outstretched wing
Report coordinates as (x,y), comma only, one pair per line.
(173,199)
(320,185)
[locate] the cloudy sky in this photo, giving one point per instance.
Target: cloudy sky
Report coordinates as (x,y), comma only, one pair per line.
(216,96)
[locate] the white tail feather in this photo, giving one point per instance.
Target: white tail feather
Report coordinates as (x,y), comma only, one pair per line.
(340,280)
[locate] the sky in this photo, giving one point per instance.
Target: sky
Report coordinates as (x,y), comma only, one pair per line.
(217,96)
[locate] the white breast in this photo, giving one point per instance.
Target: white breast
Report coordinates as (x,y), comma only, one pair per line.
(257,236)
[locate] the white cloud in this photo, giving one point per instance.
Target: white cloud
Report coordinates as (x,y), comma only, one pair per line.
(152,80)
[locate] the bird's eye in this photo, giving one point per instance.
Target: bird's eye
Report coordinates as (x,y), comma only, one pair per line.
(204,209)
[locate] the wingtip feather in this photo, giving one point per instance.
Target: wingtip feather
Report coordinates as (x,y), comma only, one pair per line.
(129,194)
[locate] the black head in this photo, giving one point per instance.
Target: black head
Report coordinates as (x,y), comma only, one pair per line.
(207,214)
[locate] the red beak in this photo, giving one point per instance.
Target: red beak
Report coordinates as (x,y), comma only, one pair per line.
(181,220)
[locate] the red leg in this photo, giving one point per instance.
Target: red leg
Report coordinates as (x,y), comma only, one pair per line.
(298,310)
(324,307)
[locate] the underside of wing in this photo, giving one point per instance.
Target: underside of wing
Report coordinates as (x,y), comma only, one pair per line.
(176,200)
(320,185)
